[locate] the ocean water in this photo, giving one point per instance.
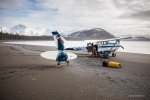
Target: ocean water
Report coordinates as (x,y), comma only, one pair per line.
(142,47)
(135,47)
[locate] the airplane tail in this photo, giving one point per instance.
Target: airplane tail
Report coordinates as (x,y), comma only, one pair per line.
(55,33)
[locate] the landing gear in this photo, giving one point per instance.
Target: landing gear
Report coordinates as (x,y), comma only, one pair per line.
(113,54)
(106,55)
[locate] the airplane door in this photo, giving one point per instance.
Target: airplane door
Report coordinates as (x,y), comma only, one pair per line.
(100,44)
(89,47)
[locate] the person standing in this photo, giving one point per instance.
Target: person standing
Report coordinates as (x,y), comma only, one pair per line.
(94,50)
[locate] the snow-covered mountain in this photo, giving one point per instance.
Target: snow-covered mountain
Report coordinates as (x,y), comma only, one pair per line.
(39,31)
(95,33)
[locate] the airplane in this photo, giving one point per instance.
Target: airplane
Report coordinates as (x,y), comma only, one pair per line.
(104,47)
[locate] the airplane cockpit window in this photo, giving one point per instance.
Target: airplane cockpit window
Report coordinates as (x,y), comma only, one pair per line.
(89,44)
(105,43)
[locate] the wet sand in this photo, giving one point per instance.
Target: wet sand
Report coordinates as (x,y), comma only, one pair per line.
(25,75)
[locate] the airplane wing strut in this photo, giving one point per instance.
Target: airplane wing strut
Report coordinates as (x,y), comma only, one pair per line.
(114,44)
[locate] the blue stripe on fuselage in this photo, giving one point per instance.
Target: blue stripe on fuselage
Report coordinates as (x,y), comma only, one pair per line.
(85,48)
(107,46)
(77,48)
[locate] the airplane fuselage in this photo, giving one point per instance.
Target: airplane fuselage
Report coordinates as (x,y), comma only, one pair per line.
(100,47)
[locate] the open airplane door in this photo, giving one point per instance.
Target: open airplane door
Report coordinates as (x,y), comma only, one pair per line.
(89,47)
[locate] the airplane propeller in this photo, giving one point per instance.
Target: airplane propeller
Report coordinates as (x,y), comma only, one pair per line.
(121,46)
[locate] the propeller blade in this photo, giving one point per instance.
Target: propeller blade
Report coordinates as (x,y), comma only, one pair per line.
(121,46)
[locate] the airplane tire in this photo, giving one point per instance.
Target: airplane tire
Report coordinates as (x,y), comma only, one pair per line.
(113,54)
(106,55)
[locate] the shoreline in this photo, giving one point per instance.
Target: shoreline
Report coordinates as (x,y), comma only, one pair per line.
(27,45)
(24,74)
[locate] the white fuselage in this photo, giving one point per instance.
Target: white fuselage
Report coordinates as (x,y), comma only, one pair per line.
(100,46)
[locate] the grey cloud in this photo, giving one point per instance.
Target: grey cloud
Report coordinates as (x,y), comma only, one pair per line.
(145,15)
(148,26)
(77,13)
(141,15)
(138,9)
(13,4)
(75,7)
(132,5)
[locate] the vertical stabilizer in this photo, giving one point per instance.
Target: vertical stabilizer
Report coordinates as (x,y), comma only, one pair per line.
(55,33)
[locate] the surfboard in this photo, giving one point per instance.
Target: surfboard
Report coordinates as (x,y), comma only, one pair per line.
(52,55)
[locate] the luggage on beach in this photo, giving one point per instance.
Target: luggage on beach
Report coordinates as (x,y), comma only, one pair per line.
(62,57)
(105,64)
(111,64)
(114,64)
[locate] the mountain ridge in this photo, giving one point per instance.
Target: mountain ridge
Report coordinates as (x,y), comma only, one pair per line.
(21,29)
(28,31)
(94,33)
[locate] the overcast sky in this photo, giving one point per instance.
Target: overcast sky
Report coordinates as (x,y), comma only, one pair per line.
(115,16)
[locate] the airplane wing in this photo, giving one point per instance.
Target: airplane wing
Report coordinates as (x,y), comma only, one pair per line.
(114,39)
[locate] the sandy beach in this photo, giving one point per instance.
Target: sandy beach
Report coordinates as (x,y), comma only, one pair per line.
(25,75)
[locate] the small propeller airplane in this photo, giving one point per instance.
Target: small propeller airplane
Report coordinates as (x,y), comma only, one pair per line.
(103,47)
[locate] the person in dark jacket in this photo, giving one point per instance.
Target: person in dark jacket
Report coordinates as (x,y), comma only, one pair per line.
(60,43)
(60,47)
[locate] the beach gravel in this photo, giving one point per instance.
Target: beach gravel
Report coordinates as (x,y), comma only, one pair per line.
(25,75)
